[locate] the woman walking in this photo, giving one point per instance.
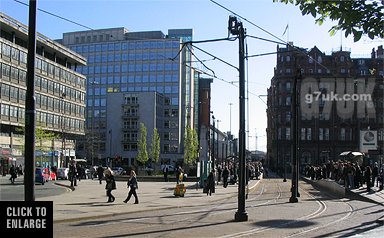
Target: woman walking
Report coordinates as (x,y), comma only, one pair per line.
(132,184)
(110,184)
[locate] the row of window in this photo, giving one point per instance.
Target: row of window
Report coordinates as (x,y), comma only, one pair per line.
(139,57)
(344,134)
(18,95)
(318,59)
(19,76)
(129,68)
(133,78)
(121,46)
(43,66)
(60,90)
(43,119)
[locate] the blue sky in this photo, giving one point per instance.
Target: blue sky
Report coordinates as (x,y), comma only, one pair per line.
(209,21)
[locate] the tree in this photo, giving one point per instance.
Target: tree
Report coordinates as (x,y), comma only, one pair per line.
(191,146)
(155,146)
(355,17)
(41,137)
(142,155)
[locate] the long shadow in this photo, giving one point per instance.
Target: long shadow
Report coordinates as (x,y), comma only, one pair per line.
(97,221)
(170,229)
(291,224)
(354,230)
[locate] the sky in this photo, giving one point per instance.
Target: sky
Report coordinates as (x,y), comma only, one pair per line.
(209,20)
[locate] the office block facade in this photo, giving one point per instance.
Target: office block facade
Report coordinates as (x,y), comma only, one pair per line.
(59,92)
(347,101)
(126,62)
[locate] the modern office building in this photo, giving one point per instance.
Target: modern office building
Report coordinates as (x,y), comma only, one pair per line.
(131,64)
(59,92)
(339,106)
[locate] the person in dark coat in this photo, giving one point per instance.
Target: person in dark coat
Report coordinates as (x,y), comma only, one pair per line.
(225,177)
(13,173)
(133,185)
(110,184)
(211,183)
(73,173)
(165,172)
(100,173)
(367,177)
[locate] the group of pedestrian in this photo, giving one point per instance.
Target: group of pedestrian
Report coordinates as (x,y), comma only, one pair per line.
(351,175)
(110,185)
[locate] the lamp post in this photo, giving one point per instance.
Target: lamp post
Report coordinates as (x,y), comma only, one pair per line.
(235,27)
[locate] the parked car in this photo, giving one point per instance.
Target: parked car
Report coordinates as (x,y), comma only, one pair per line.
(62,173)
(118,170)
(171,168)
(40,175)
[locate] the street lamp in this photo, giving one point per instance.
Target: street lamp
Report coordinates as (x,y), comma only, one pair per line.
(235,27)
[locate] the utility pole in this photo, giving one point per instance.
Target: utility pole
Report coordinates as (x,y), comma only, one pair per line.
(30,108)
(236,28)
(295,172)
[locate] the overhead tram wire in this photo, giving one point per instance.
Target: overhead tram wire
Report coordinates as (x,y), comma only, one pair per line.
(52,14)
(262,29)
(253,24)
(201,62)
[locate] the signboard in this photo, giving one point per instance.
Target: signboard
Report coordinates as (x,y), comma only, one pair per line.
(368,140)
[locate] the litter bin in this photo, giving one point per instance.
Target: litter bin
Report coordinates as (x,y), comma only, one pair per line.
(180,190)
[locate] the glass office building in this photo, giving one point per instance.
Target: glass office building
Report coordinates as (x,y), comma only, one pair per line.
(120,61)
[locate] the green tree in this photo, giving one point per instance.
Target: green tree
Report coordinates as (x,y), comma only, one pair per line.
(41,137)
(142,155)
(191,146)
(356,17)
(155,146)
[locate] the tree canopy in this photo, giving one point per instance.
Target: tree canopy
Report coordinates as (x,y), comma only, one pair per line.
(356,17)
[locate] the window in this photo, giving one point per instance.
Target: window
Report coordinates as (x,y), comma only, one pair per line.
(342,134)
(288,58)
(287,133)
(288,86)
(288,101)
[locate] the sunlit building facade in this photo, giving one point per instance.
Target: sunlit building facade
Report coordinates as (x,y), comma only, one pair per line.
(59,92)
(128,63)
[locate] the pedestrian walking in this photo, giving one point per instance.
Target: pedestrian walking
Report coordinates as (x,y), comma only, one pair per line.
(132,185)
(179,175)
(367,177)
(73,173)
(165,172)
(13,173)
(225,177)
(211,183)
(375,174)
(100,173)
(219,172)
(110,184)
